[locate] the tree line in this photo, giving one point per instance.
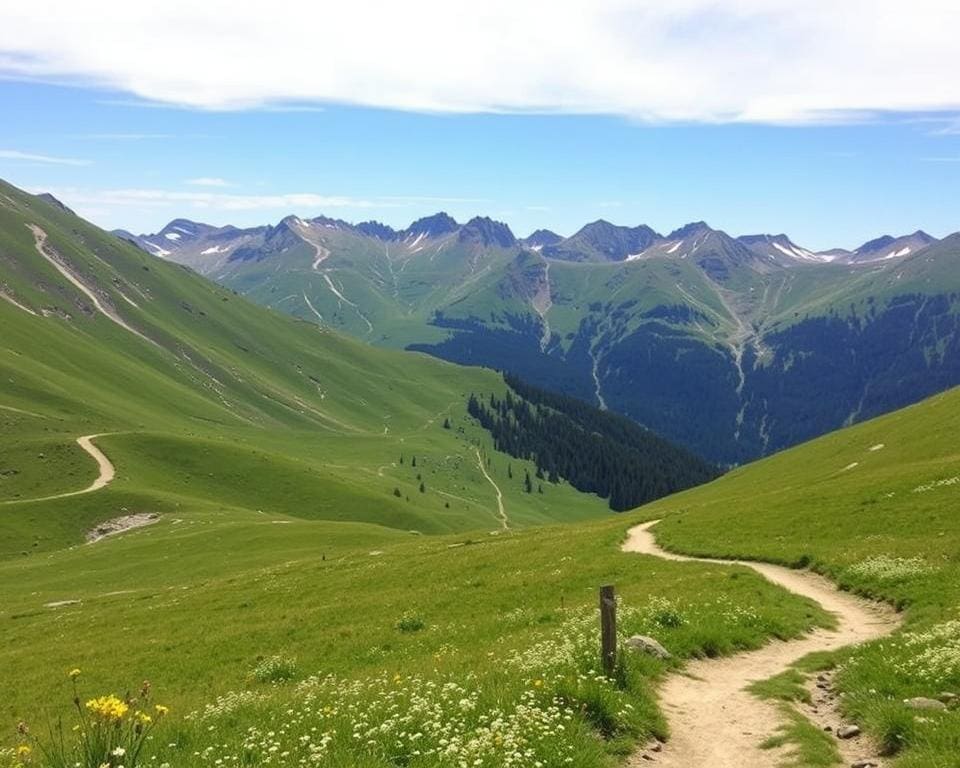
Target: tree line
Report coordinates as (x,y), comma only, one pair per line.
(595,451)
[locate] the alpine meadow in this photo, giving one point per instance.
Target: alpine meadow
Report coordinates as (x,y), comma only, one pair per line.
(375,394)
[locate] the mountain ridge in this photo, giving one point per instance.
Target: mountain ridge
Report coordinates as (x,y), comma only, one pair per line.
(723,344)
(599,240)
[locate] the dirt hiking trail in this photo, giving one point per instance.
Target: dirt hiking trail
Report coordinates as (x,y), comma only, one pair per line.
(105,472)
(501,510)
(714,722)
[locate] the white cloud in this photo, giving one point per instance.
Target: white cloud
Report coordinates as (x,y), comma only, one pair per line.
(771,61)
(109,199)
(30,157)
(208,181)
(122,136)
(144,198)
(145,209)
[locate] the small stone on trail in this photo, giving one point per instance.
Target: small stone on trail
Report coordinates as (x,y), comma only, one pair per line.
(948,698)
(647,645)
(848,731)
(863,764)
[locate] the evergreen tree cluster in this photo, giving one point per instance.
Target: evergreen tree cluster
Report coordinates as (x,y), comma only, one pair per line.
(595,451)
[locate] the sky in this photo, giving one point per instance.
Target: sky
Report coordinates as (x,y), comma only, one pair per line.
(832,124)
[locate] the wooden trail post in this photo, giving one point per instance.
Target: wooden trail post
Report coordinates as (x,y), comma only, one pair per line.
(608,629)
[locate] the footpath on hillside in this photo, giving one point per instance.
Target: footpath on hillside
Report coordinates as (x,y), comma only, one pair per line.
(105,472)
(714,721)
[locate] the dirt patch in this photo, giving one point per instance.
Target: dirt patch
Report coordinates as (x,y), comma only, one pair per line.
(121,525)
(61,603)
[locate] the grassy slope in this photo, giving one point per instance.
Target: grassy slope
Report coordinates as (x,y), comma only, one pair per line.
(877,521)
(231,404)
(193,601)
(273,449)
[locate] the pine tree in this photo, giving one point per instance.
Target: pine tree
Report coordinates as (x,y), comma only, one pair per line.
(540,488)
(423,488)
(527,483)
(446,423)
(396,492)
(414,462)
(510,471)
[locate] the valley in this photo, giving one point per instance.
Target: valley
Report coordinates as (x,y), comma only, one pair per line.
(292,533)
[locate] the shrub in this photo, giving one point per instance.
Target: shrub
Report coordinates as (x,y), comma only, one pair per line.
(410,622)
(275,669)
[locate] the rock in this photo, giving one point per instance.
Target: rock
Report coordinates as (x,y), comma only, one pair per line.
(655,747)
(863,764)
(921,702)
(948,698)
(647,645)
(848,731)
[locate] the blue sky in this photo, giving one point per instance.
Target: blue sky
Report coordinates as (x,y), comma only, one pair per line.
(133,167)
(797,116)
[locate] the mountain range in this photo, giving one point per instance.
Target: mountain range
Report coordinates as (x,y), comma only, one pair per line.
(734,347)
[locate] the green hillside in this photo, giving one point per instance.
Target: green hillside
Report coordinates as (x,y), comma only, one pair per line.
(875,508)
(203,399)
(281,473)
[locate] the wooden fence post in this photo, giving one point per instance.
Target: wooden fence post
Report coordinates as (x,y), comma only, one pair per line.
(608,629)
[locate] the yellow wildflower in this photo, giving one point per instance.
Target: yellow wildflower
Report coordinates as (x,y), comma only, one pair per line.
(23,751)
(161,710)
(143,717)
(73,674)
(108,708)
(537,683)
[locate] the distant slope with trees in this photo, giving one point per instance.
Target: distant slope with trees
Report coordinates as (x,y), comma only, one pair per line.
(595,451)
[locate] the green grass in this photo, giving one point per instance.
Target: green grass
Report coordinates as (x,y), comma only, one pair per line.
(195,603)
(232,406)
(880,521)
(810,747)
(293,538)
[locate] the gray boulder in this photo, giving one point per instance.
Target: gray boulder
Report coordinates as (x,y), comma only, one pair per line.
(647,645)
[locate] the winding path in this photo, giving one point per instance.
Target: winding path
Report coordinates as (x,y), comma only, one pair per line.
(502,512)
(713,720)
(59,264)
(105,474)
